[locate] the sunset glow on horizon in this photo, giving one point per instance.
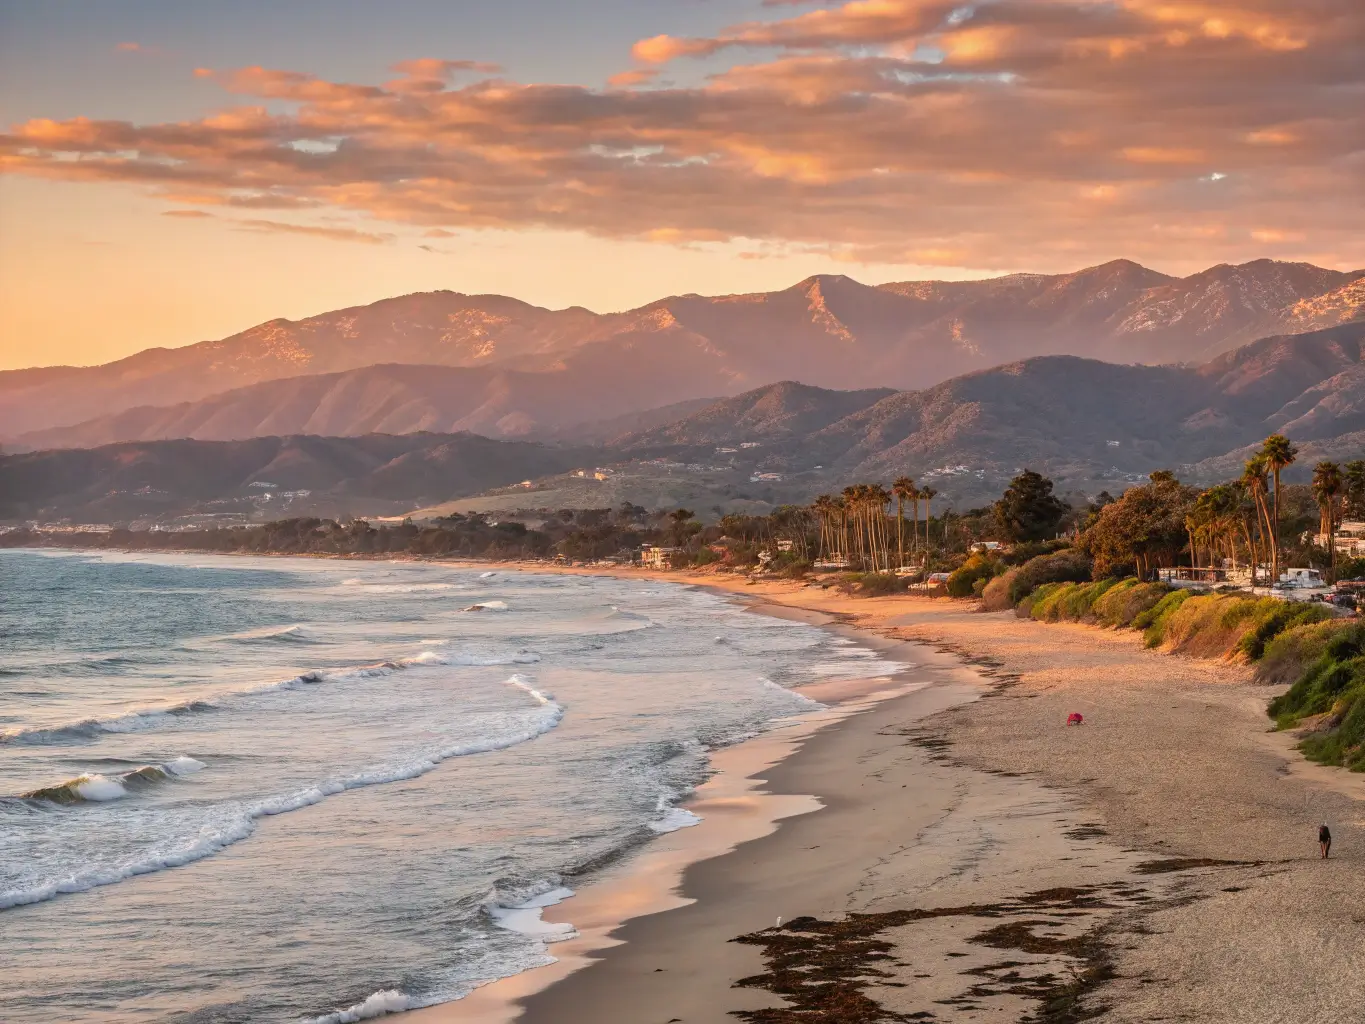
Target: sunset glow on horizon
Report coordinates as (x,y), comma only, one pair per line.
(168,176)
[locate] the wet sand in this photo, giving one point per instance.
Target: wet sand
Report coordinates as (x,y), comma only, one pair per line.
(1159,861)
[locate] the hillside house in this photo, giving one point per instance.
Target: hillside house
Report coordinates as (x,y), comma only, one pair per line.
(1350,538)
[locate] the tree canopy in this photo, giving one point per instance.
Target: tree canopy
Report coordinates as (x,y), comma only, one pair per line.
(1028,510)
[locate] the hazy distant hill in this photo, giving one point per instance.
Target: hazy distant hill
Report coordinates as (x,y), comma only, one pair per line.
(828,331)
(1076,416)
(1087,423)
(132,480)
(398,399)
(776,412)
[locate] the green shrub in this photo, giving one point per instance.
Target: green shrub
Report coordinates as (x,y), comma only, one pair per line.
(1288,655)
(1153,621)
(1351,568)
(1270,621)
(1047,600)
(1064,566)
(1126,600)
(877,584)
(996,596)
(1332,685)
(963,580)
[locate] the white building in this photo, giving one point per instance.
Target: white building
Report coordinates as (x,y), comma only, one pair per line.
(655,557)
(1350,539)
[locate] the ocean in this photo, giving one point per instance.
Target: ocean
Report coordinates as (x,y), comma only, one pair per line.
(274,789)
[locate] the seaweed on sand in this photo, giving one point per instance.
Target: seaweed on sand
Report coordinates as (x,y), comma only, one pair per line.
(824,968)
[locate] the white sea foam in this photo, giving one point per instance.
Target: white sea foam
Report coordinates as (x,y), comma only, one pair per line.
(486,575)
(236,828)
(806,703)
(264,633)
(377,1005)
(183,766)
(525,917)
(144,719)
(675,818)
(99,788)
(488,606)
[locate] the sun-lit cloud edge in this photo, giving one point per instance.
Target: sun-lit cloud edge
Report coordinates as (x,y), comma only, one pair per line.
(1042,133)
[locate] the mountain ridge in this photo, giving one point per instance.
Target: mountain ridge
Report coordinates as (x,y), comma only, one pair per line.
(828,330)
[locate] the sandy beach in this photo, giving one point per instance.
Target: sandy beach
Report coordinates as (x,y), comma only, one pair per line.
(954,852)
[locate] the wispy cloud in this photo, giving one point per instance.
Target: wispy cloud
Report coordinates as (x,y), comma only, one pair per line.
(1013,133)
(315,231)
(186,214)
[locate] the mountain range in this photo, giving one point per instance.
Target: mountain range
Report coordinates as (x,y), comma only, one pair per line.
(1086,423)
(1080,419)
(446,362)
(266,477)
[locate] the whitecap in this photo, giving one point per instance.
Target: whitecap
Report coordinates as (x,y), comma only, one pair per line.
(236,829)
(99,788)
(488,606)
(183,766)
(381,1003)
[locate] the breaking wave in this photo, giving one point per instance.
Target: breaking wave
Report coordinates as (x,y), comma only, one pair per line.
(210,841)
(145,719)
(98,788)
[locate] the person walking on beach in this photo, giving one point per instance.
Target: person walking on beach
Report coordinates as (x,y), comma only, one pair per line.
(1325,840)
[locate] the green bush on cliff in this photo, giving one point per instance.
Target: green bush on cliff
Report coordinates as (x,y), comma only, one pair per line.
(963,581)
(1067,566)
(1122,603)
(1333,685)
(1153,621)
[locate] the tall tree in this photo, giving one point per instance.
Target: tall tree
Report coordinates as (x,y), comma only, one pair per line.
(928,494)
(1355,488)
(1028,510)
(1256,482)
(902,488)
(1328,483)
(1279,452)
(1144,529)
(680,522)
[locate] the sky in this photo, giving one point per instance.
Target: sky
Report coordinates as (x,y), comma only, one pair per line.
(172,171)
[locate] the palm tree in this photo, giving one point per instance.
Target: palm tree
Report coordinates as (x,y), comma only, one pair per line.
(1255,483)
(1279,453)
(878,497)
(1327,484)
(928,494)
(902,488)
(824,509)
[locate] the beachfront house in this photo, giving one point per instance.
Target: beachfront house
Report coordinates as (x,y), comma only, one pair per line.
(654,556)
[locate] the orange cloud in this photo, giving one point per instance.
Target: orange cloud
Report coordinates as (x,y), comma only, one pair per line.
(661,49)
(332,234)
(1014,133)
(637,77)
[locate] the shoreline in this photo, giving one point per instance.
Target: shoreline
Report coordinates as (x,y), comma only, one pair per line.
(736,806)
(1180,829)
(1185,777)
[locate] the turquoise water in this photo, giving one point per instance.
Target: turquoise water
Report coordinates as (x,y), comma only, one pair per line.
(238,789)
